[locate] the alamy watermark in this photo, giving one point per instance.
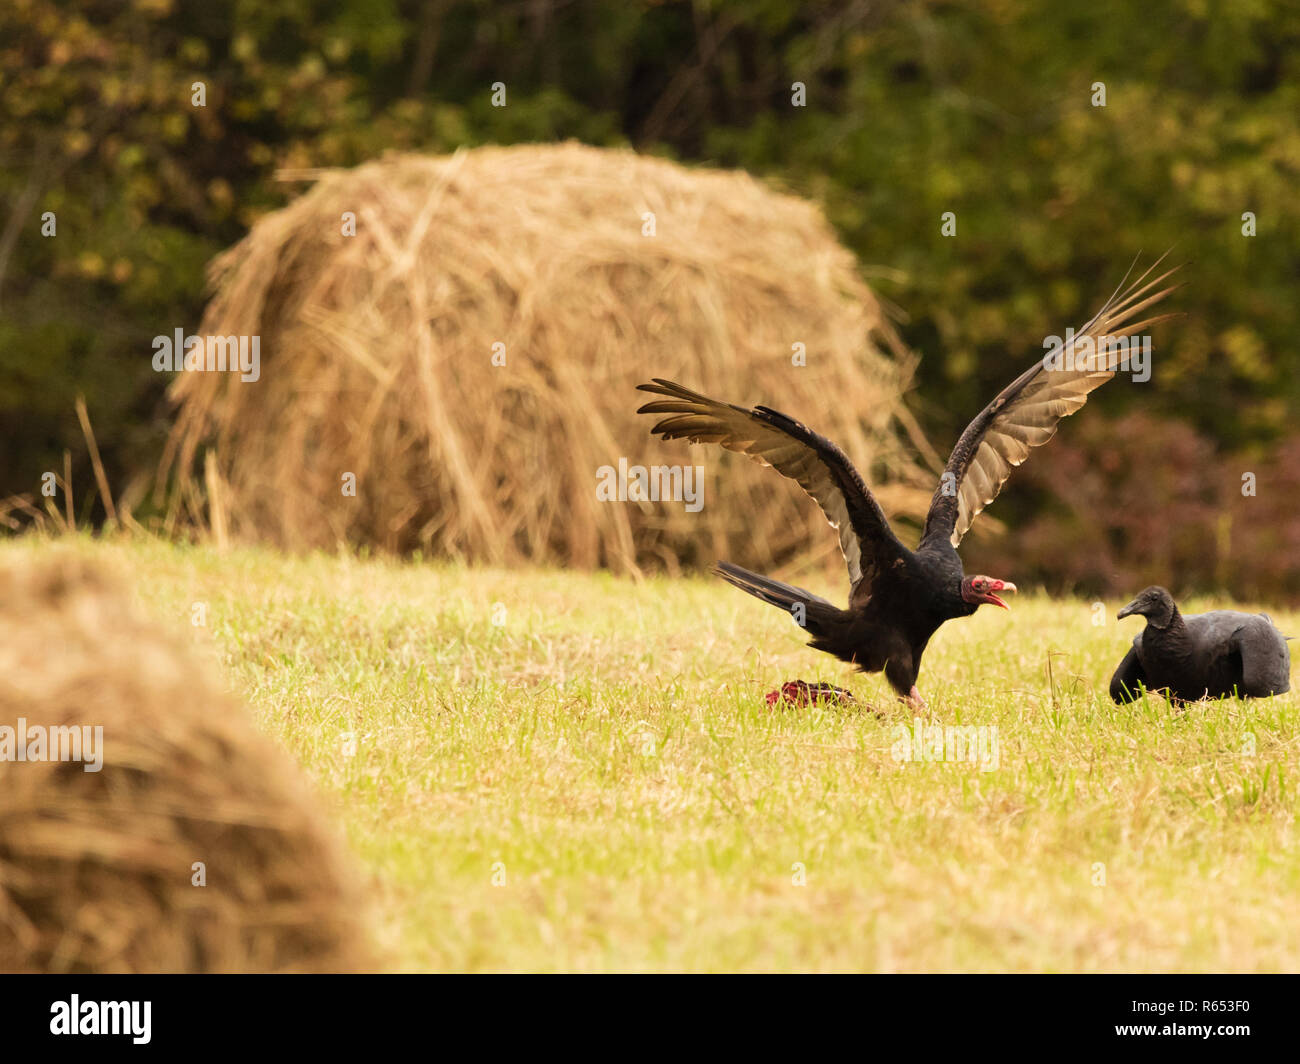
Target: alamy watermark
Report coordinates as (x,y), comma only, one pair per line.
(213,354)
(1131,354)
(947,743)
(661,483)
(79,1017)
(58,743)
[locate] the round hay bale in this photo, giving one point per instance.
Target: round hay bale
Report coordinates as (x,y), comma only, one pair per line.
(585,271)
(97,867)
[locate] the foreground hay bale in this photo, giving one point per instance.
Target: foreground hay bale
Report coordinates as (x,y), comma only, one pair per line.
(378,360)
(96,867)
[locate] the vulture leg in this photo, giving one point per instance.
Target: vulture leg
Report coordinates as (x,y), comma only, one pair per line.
(1128,679)
(901,672)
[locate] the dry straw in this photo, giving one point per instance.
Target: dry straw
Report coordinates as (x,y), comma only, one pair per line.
(96,868)
(377,360)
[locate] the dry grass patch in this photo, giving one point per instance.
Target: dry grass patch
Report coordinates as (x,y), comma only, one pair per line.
(596,783)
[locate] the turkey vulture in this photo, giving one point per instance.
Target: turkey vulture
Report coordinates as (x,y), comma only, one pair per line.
(900,597)
(1204,655)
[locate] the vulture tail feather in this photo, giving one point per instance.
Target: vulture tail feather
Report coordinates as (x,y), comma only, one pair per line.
(819,616)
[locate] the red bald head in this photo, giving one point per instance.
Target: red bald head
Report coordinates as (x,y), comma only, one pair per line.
(980,589)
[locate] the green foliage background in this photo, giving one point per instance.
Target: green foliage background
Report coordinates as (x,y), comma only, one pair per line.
(912,109)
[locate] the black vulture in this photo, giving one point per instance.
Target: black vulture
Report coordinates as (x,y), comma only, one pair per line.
(1204,655)
(900,597)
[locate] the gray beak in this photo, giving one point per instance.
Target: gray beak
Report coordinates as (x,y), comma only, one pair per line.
(1127,611)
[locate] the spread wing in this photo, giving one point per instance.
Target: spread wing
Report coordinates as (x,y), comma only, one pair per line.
(812,461)
(1025,414)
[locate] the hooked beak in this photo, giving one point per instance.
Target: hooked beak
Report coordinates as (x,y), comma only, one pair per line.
(999,585)
(1127,611)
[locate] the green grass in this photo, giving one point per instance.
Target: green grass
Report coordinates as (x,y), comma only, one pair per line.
(607,750)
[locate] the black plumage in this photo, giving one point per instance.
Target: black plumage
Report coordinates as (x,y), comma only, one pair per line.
(1204,655)
(900,597)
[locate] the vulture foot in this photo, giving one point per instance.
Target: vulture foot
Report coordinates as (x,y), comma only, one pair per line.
(915,701)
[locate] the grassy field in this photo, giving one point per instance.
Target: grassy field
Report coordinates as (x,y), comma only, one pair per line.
(553,772)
